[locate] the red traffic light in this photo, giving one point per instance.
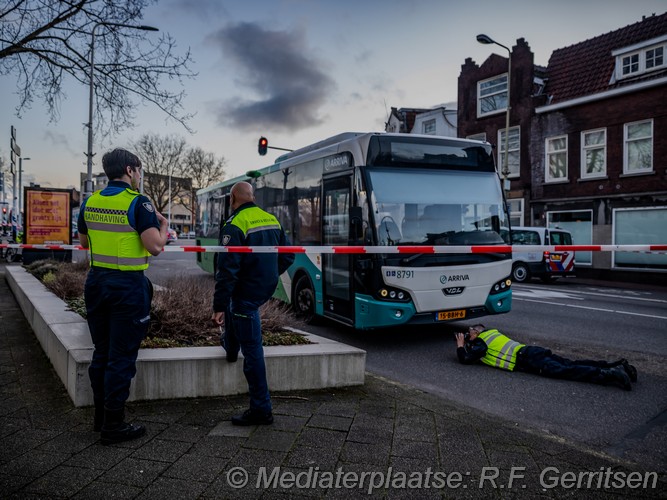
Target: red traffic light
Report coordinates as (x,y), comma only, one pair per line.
(262,145)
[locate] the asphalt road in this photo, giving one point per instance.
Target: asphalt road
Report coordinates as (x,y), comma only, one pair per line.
(574,319)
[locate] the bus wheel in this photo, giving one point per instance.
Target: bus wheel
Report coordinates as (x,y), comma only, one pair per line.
(304,300)
(520,272)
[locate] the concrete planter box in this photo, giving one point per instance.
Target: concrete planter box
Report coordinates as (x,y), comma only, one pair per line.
(183,372)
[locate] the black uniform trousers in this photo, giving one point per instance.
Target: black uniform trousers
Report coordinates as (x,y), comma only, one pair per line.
(541,361)
(118,314)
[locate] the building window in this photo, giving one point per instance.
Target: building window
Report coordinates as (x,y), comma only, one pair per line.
(641,58)
(428,127)
(515,209)
(638,147)
(492,95)
(639,226)
(514,147)
(556,158)
(594,153)
(655,58)
(630,64)
(477,137)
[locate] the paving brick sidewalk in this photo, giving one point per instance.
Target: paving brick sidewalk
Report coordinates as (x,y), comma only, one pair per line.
(388,437)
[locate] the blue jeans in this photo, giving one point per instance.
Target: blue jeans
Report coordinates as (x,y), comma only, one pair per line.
(243,330)
(118,313)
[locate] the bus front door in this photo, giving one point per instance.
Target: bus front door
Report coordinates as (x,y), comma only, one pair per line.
(337,268)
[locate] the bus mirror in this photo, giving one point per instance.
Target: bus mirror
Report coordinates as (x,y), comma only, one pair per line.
(356,223)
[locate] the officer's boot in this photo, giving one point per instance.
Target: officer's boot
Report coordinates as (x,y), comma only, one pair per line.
(99,415)
(616,376)
(116,430)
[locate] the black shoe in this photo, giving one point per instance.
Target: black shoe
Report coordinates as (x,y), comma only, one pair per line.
(126,432)
(253,417)
(617,376)
(630,370)
(116,430)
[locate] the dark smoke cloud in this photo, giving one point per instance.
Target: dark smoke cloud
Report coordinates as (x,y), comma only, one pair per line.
(289,82)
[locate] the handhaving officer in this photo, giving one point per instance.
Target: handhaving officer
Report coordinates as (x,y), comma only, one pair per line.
(245,281)
(495,349)
(121,228)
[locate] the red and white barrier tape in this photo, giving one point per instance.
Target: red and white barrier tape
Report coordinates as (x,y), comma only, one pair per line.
(400,249)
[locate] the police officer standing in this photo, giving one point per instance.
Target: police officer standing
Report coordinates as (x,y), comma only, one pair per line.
(121,228)
(245,281)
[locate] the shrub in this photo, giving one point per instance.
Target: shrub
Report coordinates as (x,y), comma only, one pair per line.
(180,310)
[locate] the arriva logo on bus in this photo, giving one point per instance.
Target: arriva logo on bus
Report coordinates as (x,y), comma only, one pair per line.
(454,277)
(336,162)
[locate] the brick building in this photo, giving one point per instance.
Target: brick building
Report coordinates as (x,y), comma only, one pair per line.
(587,139)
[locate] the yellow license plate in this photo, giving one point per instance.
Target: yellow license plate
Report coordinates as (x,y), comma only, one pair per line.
(446,315)
(555,257)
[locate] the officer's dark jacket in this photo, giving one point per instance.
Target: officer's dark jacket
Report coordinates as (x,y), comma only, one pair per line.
(473,351)
(249,276)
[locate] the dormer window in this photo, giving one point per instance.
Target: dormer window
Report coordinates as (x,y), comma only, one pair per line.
(640,58)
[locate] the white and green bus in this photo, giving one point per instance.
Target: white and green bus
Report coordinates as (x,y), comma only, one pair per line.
(378,189)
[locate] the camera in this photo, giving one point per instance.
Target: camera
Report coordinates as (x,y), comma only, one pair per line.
(466,335)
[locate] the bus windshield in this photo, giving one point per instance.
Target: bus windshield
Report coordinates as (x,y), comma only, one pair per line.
(437,207)
(410,151)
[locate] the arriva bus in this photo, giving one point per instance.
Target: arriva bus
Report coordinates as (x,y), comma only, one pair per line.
(382,189)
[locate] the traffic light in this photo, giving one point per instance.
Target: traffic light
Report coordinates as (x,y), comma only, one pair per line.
(262,146)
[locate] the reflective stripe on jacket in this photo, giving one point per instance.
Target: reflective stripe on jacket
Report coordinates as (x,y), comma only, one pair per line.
(250,277)
(113,242)
(501,351)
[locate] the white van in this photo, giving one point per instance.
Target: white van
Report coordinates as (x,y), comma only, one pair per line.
(548,266)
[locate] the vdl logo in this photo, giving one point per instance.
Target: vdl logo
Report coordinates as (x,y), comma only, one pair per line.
(454,277)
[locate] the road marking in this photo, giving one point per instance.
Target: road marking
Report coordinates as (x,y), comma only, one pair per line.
(660,301)
(544,294)
(594,308)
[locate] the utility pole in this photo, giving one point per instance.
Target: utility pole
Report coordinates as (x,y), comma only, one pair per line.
(14,152)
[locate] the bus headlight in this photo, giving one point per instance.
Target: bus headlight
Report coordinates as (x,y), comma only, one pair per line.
(393,294)
(502,286)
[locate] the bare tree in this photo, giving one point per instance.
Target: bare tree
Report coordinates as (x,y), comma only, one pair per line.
(161,157)
(43,42)
(203,169)
(190,169)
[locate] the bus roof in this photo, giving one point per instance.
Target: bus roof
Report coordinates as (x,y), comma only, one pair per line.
(325,146)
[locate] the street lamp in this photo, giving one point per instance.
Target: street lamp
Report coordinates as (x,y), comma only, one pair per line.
(19,216)
(169,201)
(88,188)
(485,39)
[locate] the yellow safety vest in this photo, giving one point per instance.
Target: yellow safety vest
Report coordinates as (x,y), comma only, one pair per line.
(254,219)
(113,243)
(501,351)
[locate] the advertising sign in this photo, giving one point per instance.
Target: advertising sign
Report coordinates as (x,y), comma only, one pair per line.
(47,216)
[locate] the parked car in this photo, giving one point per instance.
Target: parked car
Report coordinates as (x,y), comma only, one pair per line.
(548,266)
(171,235)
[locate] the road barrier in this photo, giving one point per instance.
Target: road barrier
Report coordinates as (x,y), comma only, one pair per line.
(399,249)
